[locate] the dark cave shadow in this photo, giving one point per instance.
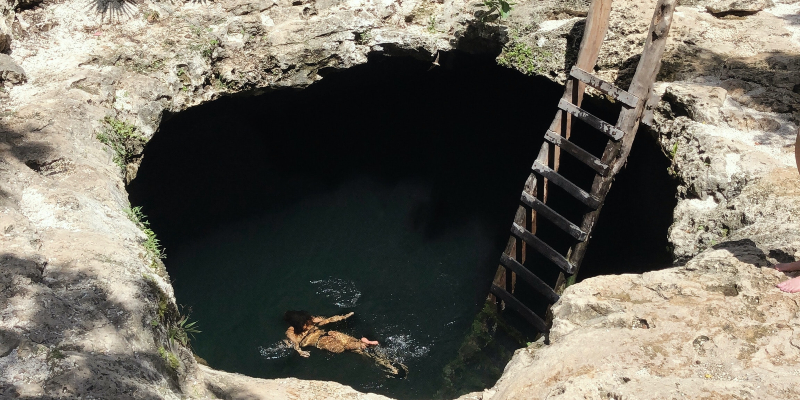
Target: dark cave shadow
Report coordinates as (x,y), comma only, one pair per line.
(746,251)
(36,154)
(781,256)
(59,291)
(20,146)
(287,145)
(574,37)
(481,38)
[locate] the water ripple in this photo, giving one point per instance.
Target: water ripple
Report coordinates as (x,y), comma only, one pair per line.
(403,347)
(343,293)
(275,351)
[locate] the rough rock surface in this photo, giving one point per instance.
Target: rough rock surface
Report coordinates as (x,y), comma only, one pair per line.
(713,329)
(83,305)
(11,72)
(738,7)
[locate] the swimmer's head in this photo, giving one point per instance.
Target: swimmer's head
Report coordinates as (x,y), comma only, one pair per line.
(298,319)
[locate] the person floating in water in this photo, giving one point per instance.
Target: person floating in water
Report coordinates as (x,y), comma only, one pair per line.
(304,331)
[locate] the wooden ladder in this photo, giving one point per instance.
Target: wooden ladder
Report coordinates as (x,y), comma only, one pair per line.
(545,171)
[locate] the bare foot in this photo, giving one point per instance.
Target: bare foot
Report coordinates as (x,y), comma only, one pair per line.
(369,342)
(786,267)
(790,286)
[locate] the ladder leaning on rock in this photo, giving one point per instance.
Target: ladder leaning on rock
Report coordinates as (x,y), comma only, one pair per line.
(533,201)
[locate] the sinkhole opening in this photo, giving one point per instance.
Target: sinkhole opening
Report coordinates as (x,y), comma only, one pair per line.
(387,189)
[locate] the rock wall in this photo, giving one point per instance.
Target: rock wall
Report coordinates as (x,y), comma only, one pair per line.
(85,306)
(715,327)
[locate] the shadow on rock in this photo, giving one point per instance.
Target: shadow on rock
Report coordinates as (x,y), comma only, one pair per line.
(64,335)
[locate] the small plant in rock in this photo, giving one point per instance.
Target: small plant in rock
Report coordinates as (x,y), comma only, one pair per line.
(123,139)
(363,37)
(523,57)
(151,244)
(147,67)
(432,24)
(181,330)
(219,83)
(208,50)
(56,354)
(495,9)
(169,357)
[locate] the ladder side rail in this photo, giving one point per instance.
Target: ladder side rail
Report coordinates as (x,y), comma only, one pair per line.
(594,33)
(511,301)
(616,153)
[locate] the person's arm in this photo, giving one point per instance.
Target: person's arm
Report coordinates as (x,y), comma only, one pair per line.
(336,318)
(294,341)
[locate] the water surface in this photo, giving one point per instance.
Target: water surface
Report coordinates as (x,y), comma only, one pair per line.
(356,249)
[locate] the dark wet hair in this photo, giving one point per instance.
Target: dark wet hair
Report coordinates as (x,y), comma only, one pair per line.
(297,319)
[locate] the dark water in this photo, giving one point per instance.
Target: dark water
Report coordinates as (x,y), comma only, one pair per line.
(353,249)
(386,190)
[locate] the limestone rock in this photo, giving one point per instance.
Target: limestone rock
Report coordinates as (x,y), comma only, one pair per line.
(738,7)
(716,328)
(77,293)
(10,71)
(698,102)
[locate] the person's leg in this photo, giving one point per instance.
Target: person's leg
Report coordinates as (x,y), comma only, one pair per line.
(786,267)
(347,342)
(369,342)
(331,343)
(790,286)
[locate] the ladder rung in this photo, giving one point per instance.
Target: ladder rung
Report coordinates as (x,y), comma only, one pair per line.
(577,152)
(517,305)
(556,218)
(596,123)
(605,87)
(542,247)
(568,186)
(528,276)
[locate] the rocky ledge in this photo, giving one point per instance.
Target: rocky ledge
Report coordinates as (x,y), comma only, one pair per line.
(714,327)
(85,305)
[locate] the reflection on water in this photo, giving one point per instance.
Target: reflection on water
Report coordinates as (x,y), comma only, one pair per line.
(358,249)
(343,293)
(276,350)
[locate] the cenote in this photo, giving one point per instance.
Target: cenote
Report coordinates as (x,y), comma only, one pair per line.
(386,189)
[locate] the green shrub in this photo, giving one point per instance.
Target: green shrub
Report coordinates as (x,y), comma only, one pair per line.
(181,330)
(524,58)
(151,244)
(169,357)
(495,8)
(123,139)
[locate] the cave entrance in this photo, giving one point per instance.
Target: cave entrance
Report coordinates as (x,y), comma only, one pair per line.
(386,189)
